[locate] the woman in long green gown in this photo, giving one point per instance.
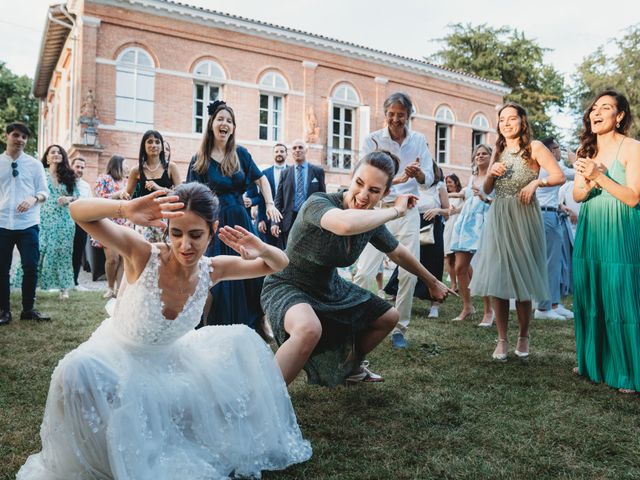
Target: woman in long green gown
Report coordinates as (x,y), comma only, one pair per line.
(606,256)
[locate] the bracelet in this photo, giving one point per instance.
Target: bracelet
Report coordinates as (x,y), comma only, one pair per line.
(119,211)
(397,212)
(268,203)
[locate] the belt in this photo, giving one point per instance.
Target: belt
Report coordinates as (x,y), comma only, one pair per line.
(549,209)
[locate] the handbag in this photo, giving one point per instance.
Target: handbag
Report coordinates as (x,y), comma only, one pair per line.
(426,235)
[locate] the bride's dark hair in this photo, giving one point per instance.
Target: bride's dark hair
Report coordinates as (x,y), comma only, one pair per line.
(199,199)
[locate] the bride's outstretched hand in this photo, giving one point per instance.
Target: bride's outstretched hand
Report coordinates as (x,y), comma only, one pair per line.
(151,209)
(242,241)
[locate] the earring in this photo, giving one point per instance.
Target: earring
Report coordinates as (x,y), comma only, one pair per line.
(618,125)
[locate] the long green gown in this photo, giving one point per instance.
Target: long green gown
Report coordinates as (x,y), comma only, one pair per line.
(606,279)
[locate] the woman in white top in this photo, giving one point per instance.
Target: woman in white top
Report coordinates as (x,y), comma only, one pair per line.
(456,200)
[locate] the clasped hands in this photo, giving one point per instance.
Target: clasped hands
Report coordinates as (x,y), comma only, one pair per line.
(589,169)
(412,170)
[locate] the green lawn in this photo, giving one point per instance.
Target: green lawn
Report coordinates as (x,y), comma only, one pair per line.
(446,410)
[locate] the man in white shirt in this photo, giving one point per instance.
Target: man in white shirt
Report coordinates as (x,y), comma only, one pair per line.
(23,187)
(80,237)
(416,167)
(548,198)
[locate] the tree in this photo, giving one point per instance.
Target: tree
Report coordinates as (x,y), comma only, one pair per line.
(18,104)
(618,69)
(506,55)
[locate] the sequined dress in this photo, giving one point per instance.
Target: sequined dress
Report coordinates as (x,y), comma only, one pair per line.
(511,261)
(150,398)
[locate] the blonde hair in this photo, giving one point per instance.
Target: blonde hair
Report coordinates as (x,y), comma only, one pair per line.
(230,163)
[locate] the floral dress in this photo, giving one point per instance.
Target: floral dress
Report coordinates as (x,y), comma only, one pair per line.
(55,267)
(106,185)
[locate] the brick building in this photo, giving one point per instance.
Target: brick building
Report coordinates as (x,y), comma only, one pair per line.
(120,67)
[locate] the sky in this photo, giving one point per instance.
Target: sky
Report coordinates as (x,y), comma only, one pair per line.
(570,29)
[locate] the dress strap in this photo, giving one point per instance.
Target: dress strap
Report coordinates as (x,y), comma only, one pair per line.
(619,147)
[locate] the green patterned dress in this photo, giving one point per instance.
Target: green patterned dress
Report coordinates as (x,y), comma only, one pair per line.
(606,282)
(344,309)
(55,268)
(511,261)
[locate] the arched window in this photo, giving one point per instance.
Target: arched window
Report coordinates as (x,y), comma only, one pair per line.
(480,126)
(273,86)
(342,114)
(135,75)
(444,121)
(208,78)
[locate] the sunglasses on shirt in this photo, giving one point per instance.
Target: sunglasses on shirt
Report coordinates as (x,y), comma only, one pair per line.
(14,169)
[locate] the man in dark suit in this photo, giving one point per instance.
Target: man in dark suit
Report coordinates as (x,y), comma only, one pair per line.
(272,174)
(297,183)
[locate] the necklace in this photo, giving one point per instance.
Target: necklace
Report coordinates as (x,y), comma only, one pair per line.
(151,170)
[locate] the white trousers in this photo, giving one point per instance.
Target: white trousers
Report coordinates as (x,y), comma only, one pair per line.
(407,230)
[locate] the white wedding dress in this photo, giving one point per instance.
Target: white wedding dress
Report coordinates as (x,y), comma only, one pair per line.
(151,398)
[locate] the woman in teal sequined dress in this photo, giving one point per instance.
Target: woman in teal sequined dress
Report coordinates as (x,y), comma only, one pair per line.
(606,256)
(511,259)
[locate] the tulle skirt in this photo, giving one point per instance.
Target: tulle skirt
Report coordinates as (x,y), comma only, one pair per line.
(211,405)
(511,261)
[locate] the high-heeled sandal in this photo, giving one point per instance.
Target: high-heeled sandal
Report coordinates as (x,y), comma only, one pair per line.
(488,324)
(500,356)
(522,354)
(461,318)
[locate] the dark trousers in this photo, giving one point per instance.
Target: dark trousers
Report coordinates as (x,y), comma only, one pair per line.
(27,241)
(79,244)
(285,235)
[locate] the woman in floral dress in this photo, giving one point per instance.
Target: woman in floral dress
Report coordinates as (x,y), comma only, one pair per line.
(55,268)
(112,185)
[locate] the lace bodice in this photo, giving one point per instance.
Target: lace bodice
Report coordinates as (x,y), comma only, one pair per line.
(517,176)
(138,314)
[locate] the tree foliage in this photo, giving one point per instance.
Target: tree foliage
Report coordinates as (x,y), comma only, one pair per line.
(506,55)
(17,104)
(613,65)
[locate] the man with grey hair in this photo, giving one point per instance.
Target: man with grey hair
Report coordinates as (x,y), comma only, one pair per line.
(416,167)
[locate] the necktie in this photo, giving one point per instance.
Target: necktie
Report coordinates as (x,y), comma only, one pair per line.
(299,198)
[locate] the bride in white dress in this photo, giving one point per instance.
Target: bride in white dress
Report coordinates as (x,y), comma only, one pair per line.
(149,397)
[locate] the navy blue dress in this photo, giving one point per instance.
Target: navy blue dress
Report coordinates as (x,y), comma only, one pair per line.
(237,301)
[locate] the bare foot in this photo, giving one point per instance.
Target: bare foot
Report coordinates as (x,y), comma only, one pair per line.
(626,391)
(575,371)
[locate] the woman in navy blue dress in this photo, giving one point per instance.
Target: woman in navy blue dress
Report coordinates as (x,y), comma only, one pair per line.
(229,171)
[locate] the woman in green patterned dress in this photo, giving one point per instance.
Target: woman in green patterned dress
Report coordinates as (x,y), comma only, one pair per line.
(322,322)
(606,256)
(55,269)
(511,261)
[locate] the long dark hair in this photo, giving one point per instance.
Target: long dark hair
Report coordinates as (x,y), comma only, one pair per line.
(115,167)
(525,134)
(588,143)
(456,181)
(142,156)
(230,163)
(382,160)
(64,172)
(199,199)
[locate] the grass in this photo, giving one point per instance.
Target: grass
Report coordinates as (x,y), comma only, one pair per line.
(445,410)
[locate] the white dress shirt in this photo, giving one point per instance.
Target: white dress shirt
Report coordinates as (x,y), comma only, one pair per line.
(84,188)
(277,171)
(414,146)
(549,196)
(31,181)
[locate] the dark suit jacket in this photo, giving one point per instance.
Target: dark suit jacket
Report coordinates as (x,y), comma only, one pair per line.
(285,198)
(262,208)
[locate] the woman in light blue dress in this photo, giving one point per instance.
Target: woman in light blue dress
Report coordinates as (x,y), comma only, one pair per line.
(467,231)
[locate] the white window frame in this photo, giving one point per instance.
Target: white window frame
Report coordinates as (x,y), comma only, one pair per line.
(443,143)
(209,75)
(480,126)
(274,86)
(444,121)
(344,98)
(138,70)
